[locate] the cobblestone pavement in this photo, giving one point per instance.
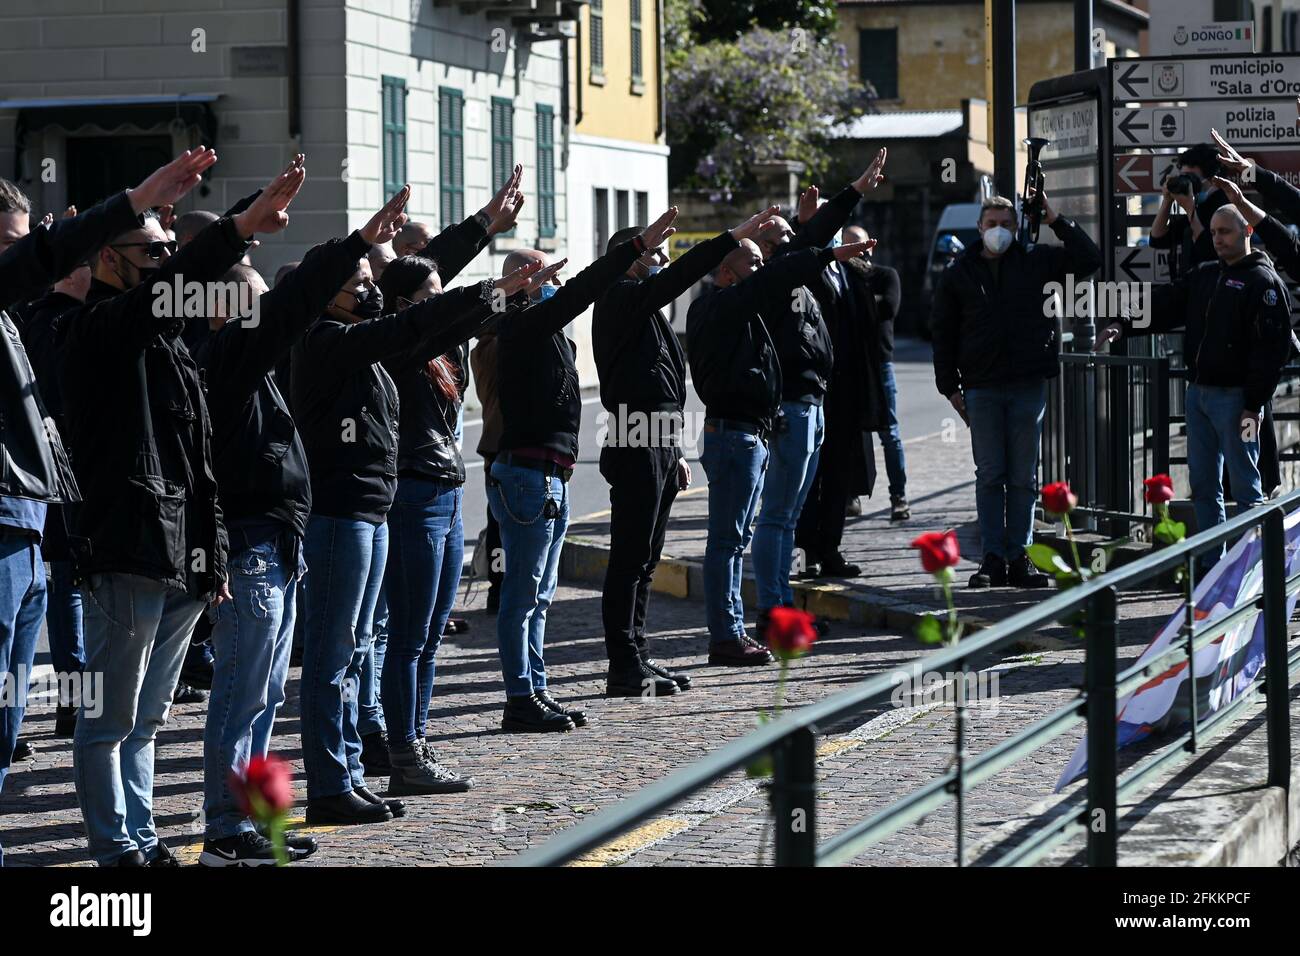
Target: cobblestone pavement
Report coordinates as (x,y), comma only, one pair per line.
(529,787)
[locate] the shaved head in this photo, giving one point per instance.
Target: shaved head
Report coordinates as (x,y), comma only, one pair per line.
(739,263)
(411,238)
(521,257)
(852,234)
(190,224)
(773,239)
(1231,234)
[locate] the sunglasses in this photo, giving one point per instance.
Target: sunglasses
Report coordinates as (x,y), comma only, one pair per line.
(153,250)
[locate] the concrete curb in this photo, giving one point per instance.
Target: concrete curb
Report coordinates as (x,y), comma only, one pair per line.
(584,560)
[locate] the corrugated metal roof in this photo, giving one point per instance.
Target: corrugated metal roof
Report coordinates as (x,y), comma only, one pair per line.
(901,124)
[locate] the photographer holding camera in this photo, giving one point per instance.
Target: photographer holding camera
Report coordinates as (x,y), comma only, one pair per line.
(1188,236)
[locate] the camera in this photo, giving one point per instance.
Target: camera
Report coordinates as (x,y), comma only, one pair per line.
(1183,184)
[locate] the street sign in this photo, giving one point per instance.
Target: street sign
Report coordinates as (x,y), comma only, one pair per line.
(1269,76)
(1139,173)
(1141,264)
(1236,36)
(1254,123)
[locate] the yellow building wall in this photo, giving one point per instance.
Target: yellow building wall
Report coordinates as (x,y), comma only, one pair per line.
(941,49)
(611,109)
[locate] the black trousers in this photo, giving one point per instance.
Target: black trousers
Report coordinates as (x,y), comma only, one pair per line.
(493,537)
(642,488)
(821,523)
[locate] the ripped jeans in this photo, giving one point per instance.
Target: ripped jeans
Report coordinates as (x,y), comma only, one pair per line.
(252,636)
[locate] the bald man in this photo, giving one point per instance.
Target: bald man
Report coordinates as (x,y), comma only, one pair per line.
(1236,314)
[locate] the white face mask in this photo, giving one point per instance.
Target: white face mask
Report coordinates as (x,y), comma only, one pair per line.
(997,239)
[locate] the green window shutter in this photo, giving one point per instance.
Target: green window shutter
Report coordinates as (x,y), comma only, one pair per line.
(393,105)
(503,143)
(546,172)
(451,155)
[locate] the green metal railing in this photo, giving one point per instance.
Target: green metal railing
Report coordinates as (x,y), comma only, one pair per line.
(791,739)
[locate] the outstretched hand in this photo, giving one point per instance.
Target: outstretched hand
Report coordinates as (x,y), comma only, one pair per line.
(875,173)
(545,275)
(516,281)
(503,209)
(851,250)
(808,204)
(267,213)
(384,225)
(169,183)
(660,229)
(753,226)
(1229,158)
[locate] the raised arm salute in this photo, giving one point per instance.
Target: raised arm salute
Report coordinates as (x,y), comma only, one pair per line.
(149,540)
(541,409)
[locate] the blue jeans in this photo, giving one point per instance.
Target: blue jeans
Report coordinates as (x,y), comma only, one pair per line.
(427,549)
(22,605)
(345,564)
(63,622)
(370,708)
(734,462)
(532,544)
(790,473)
(137,631)
(1214,438)
(1006,422)
(252,635)
(890,440)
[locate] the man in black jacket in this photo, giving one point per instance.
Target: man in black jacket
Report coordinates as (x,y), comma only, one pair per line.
(642,372)
(149,542)
(1236,314)
(805,348)
(861,400)
(541,410)
(994,350)
(1187,237)
(36,470)
(261,469)
(736,371)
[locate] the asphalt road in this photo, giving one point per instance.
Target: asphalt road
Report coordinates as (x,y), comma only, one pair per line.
(921,412)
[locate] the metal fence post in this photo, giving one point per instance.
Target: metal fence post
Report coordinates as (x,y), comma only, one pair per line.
(1103,765)
(1160,417)
(1275,654)
(794,799)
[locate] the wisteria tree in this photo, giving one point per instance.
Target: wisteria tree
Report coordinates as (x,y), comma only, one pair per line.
(773,92)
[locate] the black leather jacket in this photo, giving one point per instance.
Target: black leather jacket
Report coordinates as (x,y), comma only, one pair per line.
(426,442)
(33,462)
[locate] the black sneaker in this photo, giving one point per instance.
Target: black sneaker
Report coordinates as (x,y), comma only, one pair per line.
(130,858)
(65,721)
(639,680)
(899,509)
(683,681)
(374,754)
(854,507)
(579,717)
(246,848)
(1023,574)
(991,574)
(528,715)
(22,750)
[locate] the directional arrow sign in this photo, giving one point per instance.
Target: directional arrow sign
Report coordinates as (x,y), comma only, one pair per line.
(1238,77)
(1141,264)
(1253,123)
(1137,173)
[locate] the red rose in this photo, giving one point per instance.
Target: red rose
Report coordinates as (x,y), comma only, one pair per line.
(1058,499)
(266,781)
(938,549)
(790,632)
(1159,489)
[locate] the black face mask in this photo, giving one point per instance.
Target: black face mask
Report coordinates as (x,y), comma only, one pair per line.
(370,303)
(148,274)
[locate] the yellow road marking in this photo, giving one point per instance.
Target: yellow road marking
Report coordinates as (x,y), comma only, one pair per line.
(633,841)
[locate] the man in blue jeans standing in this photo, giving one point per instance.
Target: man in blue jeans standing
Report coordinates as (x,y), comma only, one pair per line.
(806,356)
(1236,313)
(994,349)
(737,374)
